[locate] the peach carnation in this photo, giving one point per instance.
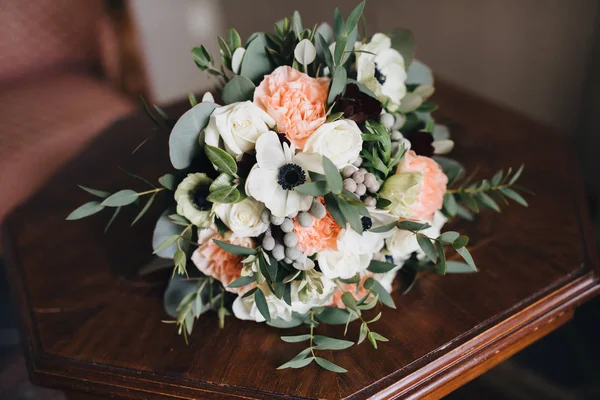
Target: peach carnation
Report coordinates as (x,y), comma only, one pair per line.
(295,101)
(213,261)
(433,185)
(321,235)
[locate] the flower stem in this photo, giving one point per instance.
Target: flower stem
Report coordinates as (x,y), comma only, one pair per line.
(477,190)
(312,329)
(151,191)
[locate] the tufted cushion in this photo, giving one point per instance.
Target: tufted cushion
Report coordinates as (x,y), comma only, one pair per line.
(45,121)
(47,35)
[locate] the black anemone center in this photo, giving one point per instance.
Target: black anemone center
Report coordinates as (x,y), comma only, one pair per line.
(290,176)
(379,76)
(199,198)
(366,223)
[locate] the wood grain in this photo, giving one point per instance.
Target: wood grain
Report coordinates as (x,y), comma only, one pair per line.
(90,325)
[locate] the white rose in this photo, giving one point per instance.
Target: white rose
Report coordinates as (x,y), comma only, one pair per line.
(314,290)
(401,244)
(243,218)
(239,125)
(245,308)
(353,256)
(340,141)
(381,69)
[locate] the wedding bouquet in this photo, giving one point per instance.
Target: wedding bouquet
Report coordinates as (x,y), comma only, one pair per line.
(308,183)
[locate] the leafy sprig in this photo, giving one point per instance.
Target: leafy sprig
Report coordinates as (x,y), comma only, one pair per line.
(377,151)
(486,193)
(315,343)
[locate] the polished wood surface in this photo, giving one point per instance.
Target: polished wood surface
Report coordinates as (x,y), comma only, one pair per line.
(89,325)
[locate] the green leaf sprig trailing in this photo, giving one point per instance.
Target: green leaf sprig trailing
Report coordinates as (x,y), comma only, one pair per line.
(484,194)
(315,343)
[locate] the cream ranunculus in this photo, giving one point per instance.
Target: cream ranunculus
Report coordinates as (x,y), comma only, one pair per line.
(340,141)
(191,199)
(382,70)
(354,254)
(238,125)
(313,291)
(243,218)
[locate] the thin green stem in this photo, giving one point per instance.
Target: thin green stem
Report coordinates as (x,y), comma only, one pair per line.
(312,329)
(477,190)
(151,191)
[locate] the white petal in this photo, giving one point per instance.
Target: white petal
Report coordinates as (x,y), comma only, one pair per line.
(297,202)
(442,146)
(261,183)
(305,52)
(208,97)
(276,203)
(310,162)
(236,59)
(269,153)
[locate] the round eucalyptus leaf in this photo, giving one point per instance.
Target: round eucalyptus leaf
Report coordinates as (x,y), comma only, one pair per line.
(165,228)
(176,290)
(256,63)
(419,73)
(238,89)
(183,142)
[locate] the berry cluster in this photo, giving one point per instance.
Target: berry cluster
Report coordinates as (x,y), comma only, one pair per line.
(280,238)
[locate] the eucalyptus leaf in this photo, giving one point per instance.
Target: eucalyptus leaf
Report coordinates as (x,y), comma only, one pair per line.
(238,89)
(223,180)
(98,193)
(235,249)
(464,253)
(338,84)
(329,366)
(85,210)
(329,343)
(403,43)
(183,141)
(143,211)
(121,198)
(449,236)
(332,175)
(318,188)
(297,363)
(242,281)
(354,17)
(380,267)
(427,246)
(165,228)
(256,63)
(441,266)
(456,267)
(296,339)
(262,305)
(168,181)
(334,316)
(375,287)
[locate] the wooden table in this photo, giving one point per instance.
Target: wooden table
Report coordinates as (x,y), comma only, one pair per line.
(90,325)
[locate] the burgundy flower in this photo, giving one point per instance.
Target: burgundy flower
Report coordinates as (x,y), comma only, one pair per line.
(421,143)
(357,105)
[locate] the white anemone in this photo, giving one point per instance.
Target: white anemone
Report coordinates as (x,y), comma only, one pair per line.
(277,172)
(382,69)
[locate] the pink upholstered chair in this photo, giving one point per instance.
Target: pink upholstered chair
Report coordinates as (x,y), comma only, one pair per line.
(56,57)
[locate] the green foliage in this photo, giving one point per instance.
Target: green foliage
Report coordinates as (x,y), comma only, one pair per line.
(377,151)
(221,160)
(256,63)
(121,198)
(168,181)
(235,249)
(402,41)
(338,84)
(380,267)
(315,343)
(86,210)
(484,194)
(238,89)
(183,141)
